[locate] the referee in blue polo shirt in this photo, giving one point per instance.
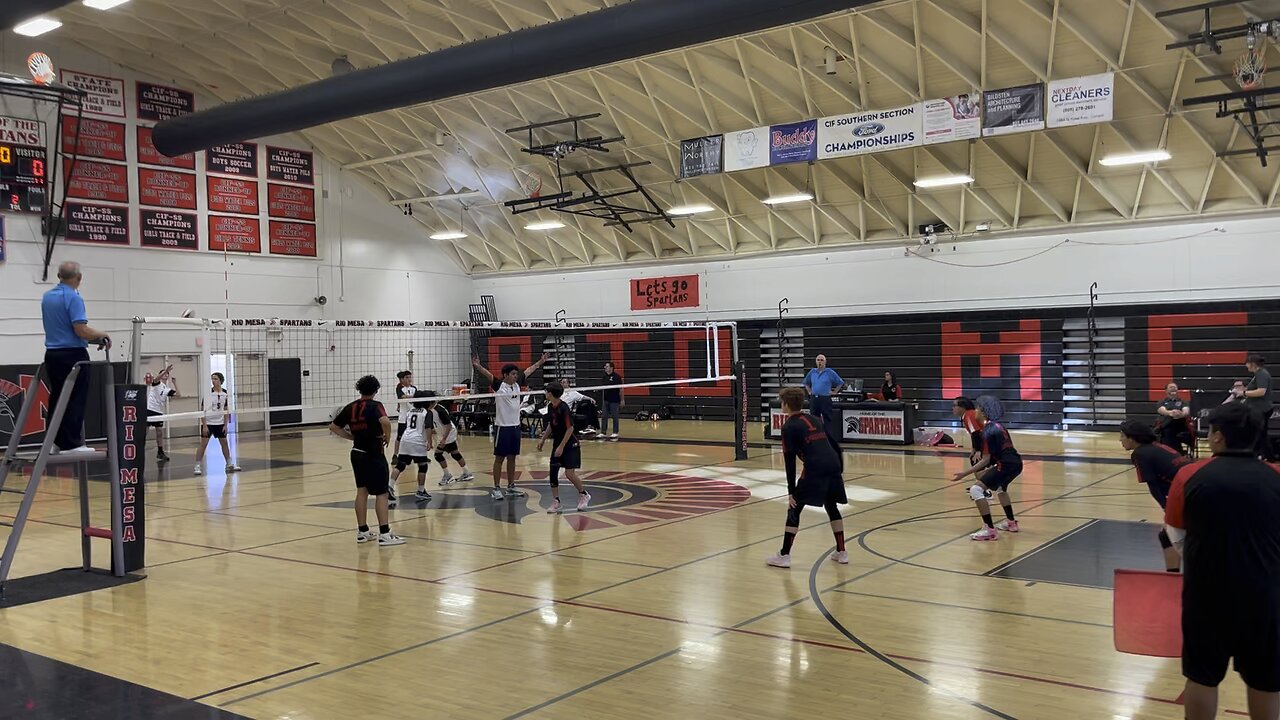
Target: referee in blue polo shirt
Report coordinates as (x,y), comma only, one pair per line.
(822,383)
(66,340)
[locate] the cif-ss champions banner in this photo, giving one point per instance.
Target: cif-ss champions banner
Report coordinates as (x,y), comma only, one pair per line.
(746,149)
(1013,110)
(1082,100)
(870,132)
(701,156)
(793,143)
(953,118)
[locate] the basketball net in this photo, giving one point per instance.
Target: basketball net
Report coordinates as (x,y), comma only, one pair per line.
(530,181)
(1249,69)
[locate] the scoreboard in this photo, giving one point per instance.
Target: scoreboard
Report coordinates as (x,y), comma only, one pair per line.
(23,186)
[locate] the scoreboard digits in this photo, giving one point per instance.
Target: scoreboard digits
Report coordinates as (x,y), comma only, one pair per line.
(22,178)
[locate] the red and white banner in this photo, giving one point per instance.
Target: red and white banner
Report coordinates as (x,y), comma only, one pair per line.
(867,424)
(291,202)
(232,195)
(21,131)
(234,234)
(98,138)
(149,155)
(290,238)
(102,95)
(99,181)
(167,189)
(680,291)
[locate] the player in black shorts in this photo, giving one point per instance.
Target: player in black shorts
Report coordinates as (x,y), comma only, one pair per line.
(819,484)
(1223,512)
(999,466)
(1157,464)
(365,423)
(566,453)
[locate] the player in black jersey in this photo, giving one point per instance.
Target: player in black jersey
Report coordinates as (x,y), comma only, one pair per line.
(999,466)
(364,422)
(819,484)
(566,454)
(1157,465)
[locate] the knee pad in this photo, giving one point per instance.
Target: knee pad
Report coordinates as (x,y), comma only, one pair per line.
(440,456)
(457,456)
(423,467)
(401,463)
(1176,535)
(977,492)
(1165,542)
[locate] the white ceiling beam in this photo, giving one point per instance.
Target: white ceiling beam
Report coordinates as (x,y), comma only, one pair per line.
(1096,183)
(1021,174)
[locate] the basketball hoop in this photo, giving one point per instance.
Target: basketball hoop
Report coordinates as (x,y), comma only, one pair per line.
(41,67)
(530,181)
(1249,70)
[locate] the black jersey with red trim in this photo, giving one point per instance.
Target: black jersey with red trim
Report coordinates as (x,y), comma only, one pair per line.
(561,419)
(1157,462)
(364,419)
(973,425)
(803,436)
(997,443)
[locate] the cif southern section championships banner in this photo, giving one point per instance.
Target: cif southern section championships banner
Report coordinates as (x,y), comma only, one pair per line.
(1082,100)
(1013,110)
(868,132)
(746,149)
(793,143)
(701,156)
(952,118)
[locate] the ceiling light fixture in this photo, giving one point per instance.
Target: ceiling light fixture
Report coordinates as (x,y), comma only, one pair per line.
(450,235)
(1135,158)
(37,26)
(786,199)
(943,181)
(549,225)
(690,209)
(104,4)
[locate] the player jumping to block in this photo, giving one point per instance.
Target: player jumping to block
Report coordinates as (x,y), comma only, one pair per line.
(1157,465)
(364,422)
(413,445)
(999,466)
(213,424)
(442,434)
(820,483)
(566,451)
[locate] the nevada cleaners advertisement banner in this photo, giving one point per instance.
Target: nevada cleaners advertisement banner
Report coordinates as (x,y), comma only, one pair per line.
(1013,110)
(868,132)
(1082,100)
(794,142)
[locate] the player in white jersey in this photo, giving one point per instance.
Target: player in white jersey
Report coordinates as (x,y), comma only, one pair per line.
(404,389)
(158,391)
(213,424)
(413,446)
(442,434)
(506,438)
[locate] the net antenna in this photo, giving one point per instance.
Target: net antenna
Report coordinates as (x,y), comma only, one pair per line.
(783,309)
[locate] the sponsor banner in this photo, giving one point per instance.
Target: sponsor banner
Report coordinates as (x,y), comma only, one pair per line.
(1013,110)
(149,155)
(870,132)
(234,159)
(291,202)
(289,165)
(131,451)
(952,118)
(169,230)
(21,131)
(102,95)
(291,238)
(1081,100)
(232,195)
(794,142)
(158,102)
(664,293)
(882,425)
(701,156)
(99,181)
(166,189)
(746,149)
(98,138)
(234,234)
(97,224)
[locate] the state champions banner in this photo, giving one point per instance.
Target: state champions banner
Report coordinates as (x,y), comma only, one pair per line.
(870,132)
(1081,100)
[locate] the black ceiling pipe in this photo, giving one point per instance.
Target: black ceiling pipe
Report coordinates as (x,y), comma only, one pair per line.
(13,12)
(631,30)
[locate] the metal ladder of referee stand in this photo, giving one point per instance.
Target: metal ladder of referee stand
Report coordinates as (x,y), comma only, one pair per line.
(43,458)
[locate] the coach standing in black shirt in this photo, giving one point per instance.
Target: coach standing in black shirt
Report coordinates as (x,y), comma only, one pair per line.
(1224,510)
(611,401)
(1257,396)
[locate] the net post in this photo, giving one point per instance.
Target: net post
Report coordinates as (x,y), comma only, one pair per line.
(135,352)
(739,411)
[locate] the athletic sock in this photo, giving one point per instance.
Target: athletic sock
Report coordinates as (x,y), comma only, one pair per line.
(1008,512)
(384,529)
(787,540)
(986,518)
(364,528)
(840,541)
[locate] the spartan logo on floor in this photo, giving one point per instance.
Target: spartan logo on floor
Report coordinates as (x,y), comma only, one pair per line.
(617,498)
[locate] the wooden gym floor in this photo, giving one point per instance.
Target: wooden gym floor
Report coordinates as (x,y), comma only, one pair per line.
(657,603)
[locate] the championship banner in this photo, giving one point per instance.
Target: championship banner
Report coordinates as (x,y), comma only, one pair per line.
(99,181)
(234,159)
(952,118)
(98,138)
(131,454)
(291,202)
(149,155)
(1013,110)
(701,156)
(158,102)
(289,165)
(290,238)
(870,132)
(746,149)
(234,234)
(101,224)
(102,95)
(232,195)
(166,189)
(665,293)
(793,143)
(875,425)
(169,230)
(1082,100)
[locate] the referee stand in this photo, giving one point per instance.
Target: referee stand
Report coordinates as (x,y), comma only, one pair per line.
(122,408)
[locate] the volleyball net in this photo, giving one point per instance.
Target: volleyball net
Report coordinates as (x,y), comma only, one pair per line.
(281,373)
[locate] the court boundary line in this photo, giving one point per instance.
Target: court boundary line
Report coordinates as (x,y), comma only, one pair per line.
(246,683)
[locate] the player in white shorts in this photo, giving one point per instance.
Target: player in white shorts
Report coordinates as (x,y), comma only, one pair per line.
(214,422)
(413,447)
(442,434)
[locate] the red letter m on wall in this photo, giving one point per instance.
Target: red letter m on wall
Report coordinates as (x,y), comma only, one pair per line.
(1024,343)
